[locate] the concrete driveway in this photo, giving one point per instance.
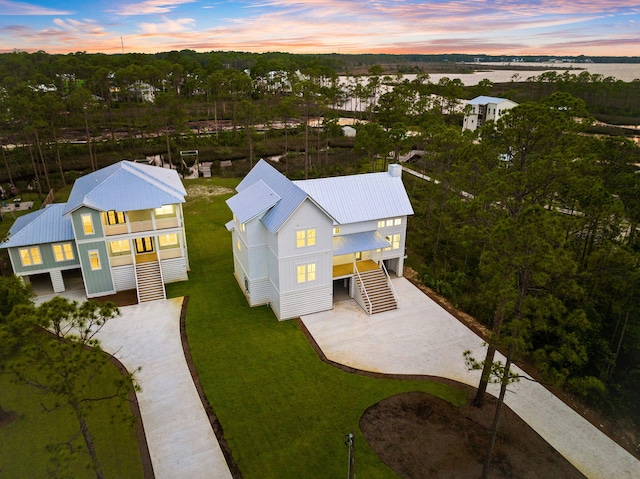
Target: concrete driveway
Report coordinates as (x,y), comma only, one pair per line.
(422,338)
(181,442)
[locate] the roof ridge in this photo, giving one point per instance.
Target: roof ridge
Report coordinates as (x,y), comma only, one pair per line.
(132,168)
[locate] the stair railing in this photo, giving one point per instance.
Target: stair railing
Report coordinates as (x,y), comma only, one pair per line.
(393,290)
(363,289)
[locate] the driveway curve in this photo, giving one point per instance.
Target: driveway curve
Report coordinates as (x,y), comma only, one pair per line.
(422,338)
(179,435)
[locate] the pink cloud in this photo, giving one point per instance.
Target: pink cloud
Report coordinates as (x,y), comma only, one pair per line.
(168,26)
(150,7)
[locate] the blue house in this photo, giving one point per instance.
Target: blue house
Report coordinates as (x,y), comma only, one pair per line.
(122,228)
(297,243)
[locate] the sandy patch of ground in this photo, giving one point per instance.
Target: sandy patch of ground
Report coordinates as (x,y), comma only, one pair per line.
(207,191)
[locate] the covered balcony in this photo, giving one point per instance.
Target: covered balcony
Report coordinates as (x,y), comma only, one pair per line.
(137,221)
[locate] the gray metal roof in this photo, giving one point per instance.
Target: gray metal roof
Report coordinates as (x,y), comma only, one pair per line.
(126,186)
(291,197)
(252,200)
(47,225)
(355,198)
(363,241)
(485,100)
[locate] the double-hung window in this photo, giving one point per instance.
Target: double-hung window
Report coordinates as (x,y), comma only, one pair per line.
(306,272)
(94,260)
(87,224)
(30,256)
(306,237)
(394,240)
(63,252)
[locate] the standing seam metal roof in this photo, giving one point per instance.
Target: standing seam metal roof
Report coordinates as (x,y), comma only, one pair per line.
(126,186)
(252,201)
(356,198)
(291,197)
(363,241)
(345,199)
(484,100)
(46,225)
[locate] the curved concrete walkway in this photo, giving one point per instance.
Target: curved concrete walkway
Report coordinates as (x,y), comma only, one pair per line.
(422,338)
(180,438)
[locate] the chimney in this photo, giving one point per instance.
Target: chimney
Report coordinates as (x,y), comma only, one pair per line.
(395,170)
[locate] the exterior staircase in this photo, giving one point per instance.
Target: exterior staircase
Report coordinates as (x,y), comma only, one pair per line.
(379,296)
(149,282)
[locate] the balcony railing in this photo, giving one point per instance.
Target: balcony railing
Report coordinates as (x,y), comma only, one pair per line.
(138,226)
(115,229)
(162,223)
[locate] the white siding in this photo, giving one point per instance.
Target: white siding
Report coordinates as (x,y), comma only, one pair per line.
(288,269)
(124,278)
(258,265)
(259,292)
(306,216)
(174,270)
(297,303)
(239,273)
(256,291)
(274,269)
(240,254)
(350,228)
(275,302)
(255,233)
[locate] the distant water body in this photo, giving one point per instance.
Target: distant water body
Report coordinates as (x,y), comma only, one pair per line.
(620,71)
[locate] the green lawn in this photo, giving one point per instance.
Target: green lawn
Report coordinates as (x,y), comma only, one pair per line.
(23,452)
(285,413)
(23,442)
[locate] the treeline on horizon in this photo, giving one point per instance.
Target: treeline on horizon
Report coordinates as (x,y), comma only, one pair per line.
(15,62)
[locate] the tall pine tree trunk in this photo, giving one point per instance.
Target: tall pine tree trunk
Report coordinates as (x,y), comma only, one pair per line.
(58,160)
(6,165)
(478,401)
(486,465)
(42,160)
(88,439)
(86,126)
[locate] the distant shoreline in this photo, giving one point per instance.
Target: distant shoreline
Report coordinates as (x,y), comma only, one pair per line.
(457,68)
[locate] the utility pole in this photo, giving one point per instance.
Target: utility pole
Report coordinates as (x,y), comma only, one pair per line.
(349,442)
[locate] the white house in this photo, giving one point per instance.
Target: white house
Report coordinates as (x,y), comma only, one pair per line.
(122,228)
(297,243)
(483,109)
(349,131)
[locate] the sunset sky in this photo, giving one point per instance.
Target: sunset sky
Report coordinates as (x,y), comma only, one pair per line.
(509,27)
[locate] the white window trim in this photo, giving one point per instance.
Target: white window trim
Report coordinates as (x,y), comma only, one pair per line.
(165,211)
(97,254)
(121,251)
(309,269)
(305,237)
(63,251)
(29,250)
(165,240)
(84,225)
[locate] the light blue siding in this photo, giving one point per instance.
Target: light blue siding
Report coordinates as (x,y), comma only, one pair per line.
(96,282)
(76,218)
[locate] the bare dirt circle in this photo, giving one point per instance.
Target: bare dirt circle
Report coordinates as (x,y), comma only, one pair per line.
(420,436)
